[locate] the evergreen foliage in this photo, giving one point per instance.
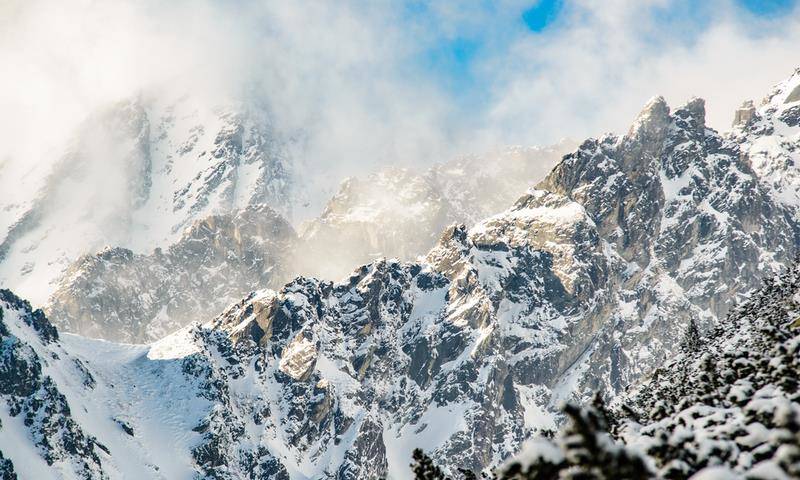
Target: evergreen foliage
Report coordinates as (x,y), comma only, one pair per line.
(728,402)
(692,338)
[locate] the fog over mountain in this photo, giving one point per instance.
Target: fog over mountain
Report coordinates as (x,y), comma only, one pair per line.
(348,88)
(375,99)
(634,247)
(321,240)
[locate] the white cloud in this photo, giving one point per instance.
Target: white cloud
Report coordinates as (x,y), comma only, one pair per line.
(592,70)
(348,72)
(340,71)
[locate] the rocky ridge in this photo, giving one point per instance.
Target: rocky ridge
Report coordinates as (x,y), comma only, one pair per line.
(119,295)
(587,283)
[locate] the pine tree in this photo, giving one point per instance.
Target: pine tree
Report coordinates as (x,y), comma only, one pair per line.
(692,338)
(424,468)
(608,420)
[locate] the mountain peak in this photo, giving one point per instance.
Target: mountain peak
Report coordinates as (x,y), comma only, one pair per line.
(697,107)
(691,116)
(744,113)
(652,120)
(787,91)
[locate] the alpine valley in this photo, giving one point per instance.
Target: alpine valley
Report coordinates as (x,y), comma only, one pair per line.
(454,310)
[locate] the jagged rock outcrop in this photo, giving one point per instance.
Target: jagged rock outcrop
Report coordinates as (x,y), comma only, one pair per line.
(127,297)
(744,114)
(587,283)
(690,227)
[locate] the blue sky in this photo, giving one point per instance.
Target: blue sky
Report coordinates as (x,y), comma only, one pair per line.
(768,7)
(541,14)
(453,55)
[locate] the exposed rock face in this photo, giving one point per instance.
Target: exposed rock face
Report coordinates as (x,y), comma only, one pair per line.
(124,296)
(394,363)
(587,283)
(135,176)
(688,224)
(32,403)
(727,406)
(397,213)
(744,113)
(127,297)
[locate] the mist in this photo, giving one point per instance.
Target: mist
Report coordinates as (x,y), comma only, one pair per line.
(356,86)
(337,77)
(354,78)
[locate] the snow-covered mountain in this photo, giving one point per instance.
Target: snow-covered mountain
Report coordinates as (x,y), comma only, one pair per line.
(121,295)
(587,283)
(80,408)
(135,176)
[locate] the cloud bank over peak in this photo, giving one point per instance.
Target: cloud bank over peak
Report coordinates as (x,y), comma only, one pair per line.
(385,83)
(337,71)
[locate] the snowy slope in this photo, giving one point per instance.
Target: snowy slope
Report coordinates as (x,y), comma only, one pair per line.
(587,283)
(102,392)
(135,176)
